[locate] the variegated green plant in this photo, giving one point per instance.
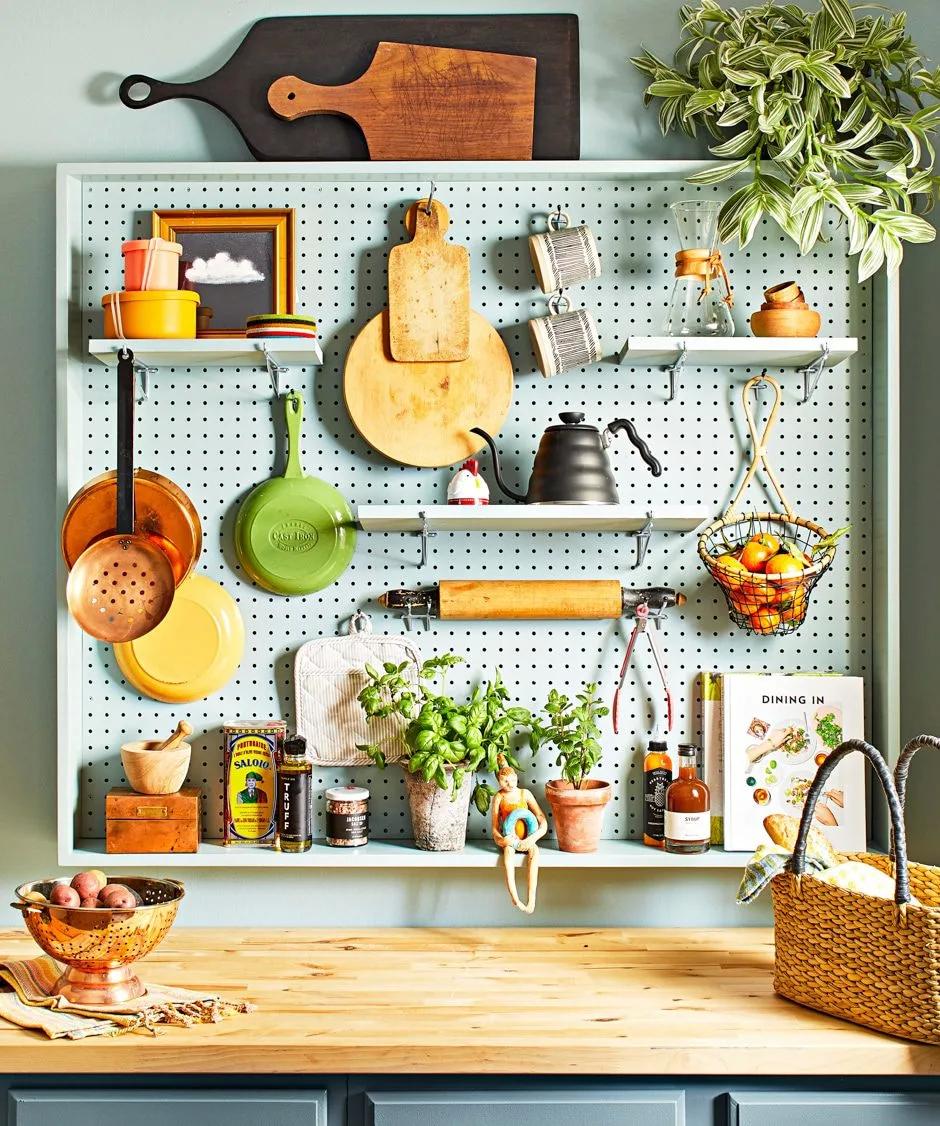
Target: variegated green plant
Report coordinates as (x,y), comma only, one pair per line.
(817,108)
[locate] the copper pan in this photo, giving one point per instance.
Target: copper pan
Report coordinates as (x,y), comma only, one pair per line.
(162,512)
(122,585)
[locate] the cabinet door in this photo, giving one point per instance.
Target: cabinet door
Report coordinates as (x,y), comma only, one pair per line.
(782,1108)
(526,1108)
(167,1108)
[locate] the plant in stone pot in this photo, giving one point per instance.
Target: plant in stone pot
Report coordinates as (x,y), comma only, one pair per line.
(445,742)
(816,109)
(578,802)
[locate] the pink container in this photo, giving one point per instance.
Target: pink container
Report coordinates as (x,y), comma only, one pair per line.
(151,263)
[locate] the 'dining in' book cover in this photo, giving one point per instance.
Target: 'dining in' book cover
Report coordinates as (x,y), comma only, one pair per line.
(776,731)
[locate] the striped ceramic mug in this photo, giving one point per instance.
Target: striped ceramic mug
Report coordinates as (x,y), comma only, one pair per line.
(566,339)
(564,255)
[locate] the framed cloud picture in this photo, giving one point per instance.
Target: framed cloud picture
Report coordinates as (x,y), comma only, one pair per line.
(241,263)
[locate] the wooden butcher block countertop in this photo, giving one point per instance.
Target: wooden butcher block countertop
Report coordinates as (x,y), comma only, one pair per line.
(516,1001)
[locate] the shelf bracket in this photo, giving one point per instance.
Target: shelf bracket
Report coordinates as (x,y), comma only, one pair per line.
(143,373)
(812,372)
(425,533)
(643,541)
(277,371)
(675,370)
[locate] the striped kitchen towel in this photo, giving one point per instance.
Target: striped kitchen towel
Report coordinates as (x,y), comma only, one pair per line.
(30,1001)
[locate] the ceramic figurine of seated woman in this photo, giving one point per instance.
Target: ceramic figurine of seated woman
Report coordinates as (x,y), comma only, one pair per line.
(518,825)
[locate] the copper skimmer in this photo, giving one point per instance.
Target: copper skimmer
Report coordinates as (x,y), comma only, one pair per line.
(121,586)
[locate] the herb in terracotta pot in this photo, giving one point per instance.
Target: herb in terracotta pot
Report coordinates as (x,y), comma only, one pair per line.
(578,802)
(446,743)
(830,108)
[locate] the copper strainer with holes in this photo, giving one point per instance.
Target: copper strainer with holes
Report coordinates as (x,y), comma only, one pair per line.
(100,945)
(121,586)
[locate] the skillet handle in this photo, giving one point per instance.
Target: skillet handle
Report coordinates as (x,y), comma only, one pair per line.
(125,443)
(294,415)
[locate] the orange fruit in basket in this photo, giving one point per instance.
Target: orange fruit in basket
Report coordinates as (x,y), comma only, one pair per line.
(788,572)
(765,620)
(729,562)
(795,609)
(758,549)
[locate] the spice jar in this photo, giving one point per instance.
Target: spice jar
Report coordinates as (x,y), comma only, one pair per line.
(347,816)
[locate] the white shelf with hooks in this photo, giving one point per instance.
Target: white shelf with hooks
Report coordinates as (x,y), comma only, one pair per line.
(235,351)
(523,518)
(736,351)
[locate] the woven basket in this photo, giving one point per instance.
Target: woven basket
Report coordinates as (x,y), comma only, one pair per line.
(856,956)
(763,604)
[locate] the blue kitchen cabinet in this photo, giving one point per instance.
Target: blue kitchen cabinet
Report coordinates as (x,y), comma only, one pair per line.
(783,1108)
(96,1107)
(525,1108)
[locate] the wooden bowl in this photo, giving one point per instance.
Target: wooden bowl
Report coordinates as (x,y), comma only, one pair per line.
(783,293)
(150,771)
(785,322)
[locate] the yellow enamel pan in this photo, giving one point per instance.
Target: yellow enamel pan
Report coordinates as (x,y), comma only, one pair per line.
(194,652)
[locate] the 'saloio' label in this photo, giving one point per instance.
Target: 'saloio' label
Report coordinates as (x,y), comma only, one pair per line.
(251,758)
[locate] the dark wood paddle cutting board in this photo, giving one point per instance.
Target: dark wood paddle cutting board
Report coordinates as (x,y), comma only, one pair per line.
(334,50)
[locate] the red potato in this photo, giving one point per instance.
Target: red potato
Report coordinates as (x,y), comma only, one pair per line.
(89,901)
(108,888)
(118,898)
(64,896)
(86,884)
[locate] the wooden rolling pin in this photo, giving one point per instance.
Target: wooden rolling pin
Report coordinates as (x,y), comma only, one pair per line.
(488,599)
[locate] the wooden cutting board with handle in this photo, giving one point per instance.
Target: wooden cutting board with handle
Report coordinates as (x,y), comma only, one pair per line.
(338,49)
(428,290)
(435,103)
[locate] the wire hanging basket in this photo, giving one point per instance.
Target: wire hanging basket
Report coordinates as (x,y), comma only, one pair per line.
(766,563)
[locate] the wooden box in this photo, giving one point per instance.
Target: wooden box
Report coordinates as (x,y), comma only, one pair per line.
(152,823)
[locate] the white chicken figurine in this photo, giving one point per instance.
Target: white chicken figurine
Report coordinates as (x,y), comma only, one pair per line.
(467,486)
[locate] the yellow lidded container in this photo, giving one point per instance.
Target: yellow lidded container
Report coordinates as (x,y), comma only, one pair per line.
(154,314)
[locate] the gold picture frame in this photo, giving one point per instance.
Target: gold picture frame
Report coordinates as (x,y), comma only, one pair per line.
(261,269)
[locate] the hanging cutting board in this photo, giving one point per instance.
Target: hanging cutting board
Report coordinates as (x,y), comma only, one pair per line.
(428,290)
(421,413)
(335,50)
(429,103)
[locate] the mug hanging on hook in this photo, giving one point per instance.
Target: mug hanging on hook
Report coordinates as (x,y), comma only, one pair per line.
(567,338)
(564,255)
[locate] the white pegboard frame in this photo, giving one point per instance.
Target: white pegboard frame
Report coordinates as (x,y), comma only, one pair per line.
(505,291)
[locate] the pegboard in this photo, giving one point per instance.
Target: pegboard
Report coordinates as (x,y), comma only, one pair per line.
(218,432)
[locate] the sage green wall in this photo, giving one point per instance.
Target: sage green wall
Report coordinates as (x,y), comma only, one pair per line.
(62,63)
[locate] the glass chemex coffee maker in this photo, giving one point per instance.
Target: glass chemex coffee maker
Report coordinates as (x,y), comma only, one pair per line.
(701,297)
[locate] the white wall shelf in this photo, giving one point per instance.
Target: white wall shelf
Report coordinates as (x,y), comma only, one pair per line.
(809,355)
(428,520)
(279,356)
(235,351)
(615,854)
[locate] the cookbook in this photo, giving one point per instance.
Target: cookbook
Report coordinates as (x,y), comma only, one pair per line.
(776,731)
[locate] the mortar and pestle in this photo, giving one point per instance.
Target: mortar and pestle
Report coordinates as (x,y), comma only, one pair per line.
(785,313)
(154,766)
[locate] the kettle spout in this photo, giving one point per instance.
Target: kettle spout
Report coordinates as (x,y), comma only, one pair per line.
(497,471)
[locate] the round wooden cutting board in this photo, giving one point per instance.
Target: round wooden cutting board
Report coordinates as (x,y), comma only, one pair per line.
(421,413)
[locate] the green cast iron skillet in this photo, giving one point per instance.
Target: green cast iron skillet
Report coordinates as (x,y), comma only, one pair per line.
(294,534)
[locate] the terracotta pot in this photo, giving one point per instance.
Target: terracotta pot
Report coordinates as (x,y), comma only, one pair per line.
(578,814)
(438,823)
(785,322)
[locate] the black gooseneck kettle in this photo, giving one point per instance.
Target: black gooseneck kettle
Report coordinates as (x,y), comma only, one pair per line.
(571,465)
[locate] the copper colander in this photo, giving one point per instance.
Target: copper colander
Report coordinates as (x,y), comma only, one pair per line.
(99,945)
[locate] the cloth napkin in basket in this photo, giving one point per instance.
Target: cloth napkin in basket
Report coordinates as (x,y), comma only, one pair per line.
(770,860)
(31,1003)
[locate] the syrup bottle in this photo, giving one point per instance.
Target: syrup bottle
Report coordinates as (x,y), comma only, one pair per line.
(688,807)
